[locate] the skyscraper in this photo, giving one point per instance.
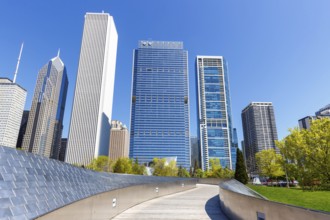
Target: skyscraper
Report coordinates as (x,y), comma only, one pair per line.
(214,110)
(234,147)
(22,129)
(119,140)
(305,123)
(92,105)
(259,129)
(160,108)
(45,123)
(12,101)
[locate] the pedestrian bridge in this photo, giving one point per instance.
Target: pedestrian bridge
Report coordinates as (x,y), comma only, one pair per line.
(34,187)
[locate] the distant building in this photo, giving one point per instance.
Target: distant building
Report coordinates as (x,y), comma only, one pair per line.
(259,129)
(119,140)
(305,123)
(195,152)
(45,123)
(92,105)
(12,101)
(214,110)
(325,111)
(64,142)
(160,102)
(234,147)
(22,128)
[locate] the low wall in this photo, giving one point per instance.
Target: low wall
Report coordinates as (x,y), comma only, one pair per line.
(250,205)
(210,181)
(109,204)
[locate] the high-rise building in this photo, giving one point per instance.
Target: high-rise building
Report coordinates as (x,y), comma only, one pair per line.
(325,111)
(305,123)
(195,152)
(12,101)
(92,105)
(119,140)
(160,108)
(214,110)
(259,129)
(64,142)
(234,147)
(22,128)
(45,123)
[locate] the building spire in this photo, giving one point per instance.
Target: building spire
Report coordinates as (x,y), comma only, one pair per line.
(58,52)
(19,59)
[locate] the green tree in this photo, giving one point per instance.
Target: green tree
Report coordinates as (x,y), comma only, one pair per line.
(101,163)
(123,165)
(182,172)
(308,153)
(137,168)
(240,170)
(199,173)
(269,163)
(163,169)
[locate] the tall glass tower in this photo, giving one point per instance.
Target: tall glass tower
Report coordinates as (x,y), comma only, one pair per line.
(92,105)
(45,123)
(160,108)
(214,111)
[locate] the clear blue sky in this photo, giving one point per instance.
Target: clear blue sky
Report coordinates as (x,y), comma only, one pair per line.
(278,50)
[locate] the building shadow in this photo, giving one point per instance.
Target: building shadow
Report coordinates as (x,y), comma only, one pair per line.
(212,208)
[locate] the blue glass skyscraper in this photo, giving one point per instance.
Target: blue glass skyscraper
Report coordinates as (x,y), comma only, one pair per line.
(160,108)
(214,111)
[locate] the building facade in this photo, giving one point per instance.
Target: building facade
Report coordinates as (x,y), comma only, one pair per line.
(234,147)
(305,123)
(92,105)
(64,142)
(160,107)
(45,123)
(195,152)
(259,129)
(214,110)
(119,140)
(12,101)
(22,129)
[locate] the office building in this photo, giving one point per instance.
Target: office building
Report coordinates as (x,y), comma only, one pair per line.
(195,152)
(64,142)
(259,129)
(305,123)
(160,106)
(12,101)
(22,129)
(119,140)
(45,123)
(234,147)
(214,110)
(92,105)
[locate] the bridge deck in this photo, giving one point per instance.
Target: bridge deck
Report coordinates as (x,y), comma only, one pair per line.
(199,203)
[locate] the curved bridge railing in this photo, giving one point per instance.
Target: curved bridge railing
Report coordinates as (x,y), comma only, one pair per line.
(32,186)
(240,202)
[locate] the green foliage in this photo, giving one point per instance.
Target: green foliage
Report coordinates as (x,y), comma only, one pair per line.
(318,200)
(270,163)
(240,171)
(137,168)
(199,173)
(307,154)
(123,165)
(102,163)
(182,172)
(163,169)
(216,171)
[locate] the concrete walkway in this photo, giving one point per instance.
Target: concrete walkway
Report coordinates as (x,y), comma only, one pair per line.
(199,203)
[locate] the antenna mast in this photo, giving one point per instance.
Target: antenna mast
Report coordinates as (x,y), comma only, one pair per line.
(19,59)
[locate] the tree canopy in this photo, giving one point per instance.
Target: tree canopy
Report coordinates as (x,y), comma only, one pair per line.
(307,153)
(269,163)
(240,170)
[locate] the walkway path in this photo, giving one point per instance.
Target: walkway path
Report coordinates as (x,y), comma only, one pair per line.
(199,203)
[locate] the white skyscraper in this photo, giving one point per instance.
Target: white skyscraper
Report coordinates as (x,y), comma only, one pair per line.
(92,105)
(12,101)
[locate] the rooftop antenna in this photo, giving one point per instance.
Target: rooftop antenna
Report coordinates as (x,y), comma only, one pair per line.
(19,59)
(58,52)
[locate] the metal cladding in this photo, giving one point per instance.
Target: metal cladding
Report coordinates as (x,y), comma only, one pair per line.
(33,185)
